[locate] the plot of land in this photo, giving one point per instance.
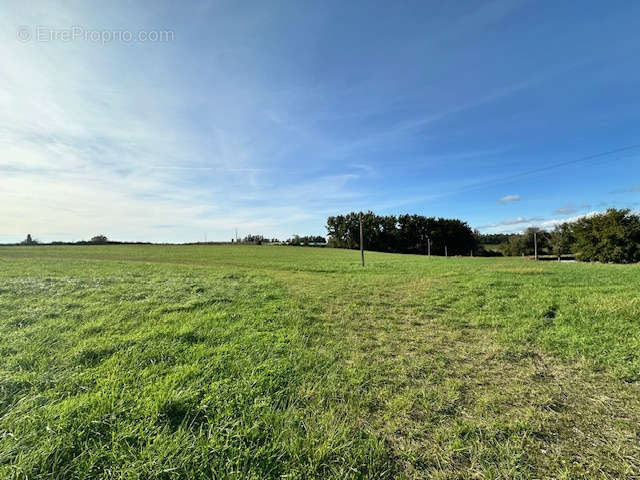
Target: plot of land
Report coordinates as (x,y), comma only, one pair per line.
(266,362)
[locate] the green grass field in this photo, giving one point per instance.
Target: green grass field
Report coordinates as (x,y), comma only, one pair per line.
(197,362)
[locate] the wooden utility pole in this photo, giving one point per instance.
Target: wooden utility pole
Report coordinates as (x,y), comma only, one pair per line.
(361,240)
(535,245)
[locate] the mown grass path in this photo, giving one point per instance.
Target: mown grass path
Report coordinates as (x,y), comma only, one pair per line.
(268,362)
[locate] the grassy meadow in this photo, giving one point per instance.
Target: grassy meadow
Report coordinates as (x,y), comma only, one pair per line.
(207,362)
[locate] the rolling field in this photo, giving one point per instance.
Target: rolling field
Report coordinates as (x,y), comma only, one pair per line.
(198,362)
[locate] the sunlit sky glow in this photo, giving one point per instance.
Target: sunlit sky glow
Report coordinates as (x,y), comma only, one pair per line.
(269,116)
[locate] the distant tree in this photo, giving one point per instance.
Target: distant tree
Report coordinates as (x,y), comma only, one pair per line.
(523,244)
(100,239)
(295,240)
(543,238)
(562,239)
(29,241)
(401,234)
(493,238)
(257,239)
(254,239)
(307,240)
(514,246)
(613,236)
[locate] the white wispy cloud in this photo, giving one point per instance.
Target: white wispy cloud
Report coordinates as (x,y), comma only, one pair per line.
(518,224)
(92,140)
(510,222)
(631,189)
(509,198)
(548,224)
(570,208)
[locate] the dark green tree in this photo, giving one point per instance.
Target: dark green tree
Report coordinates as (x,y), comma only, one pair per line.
(523,244)
(562,239)
(402,234)
(100,239)
(612,236)
(29,241)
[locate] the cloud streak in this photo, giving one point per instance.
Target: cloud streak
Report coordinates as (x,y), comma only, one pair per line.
(571,208)
(631,189)
(509,198)
(518,224)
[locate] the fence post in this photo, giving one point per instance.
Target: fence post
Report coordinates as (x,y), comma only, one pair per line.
(361,241)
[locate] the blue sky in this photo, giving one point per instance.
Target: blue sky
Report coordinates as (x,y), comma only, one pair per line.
(270,116)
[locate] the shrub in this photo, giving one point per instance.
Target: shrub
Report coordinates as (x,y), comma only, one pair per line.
(613,236)
(29,241)
(99,239)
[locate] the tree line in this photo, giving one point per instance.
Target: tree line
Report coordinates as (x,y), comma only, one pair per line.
(609,237)
(253,239)
(96,240)
(307,240)
(402,234)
